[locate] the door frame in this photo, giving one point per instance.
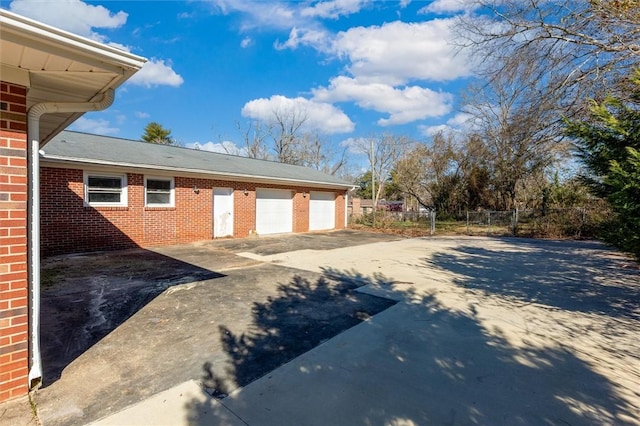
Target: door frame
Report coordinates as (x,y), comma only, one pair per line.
(223,192)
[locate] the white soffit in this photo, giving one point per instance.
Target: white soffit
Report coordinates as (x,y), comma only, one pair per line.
(57,66)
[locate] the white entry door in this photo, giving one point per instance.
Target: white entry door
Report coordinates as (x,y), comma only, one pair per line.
(222,212)
(322,210)
(274,211)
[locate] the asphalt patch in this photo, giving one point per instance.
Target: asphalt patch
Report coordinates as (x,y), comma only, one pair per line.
(130,324)
(85,297)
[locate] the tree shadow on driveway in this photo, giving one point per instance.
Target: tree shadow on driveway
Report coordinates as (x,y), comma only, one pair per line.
(415,363)
(574,276)
(304,314)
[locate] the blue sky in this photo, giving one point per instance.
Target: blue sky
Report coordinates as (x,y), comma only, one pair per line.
(356,68)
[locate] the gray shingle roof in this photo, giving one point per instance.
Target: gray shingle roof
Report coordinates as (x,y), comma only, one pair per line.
(78,147)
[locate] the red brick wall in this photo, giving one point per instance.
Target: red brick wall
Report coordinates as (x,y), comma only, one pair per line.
(193,212)
(68,226)
(301,211)
(340,209)
(13,243)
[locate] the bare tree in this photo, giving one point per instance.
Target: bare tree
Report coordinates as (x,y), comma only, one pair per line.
(312,152)
(516,117)
(383,152)
(433,174)
(579,48)
(285,133)
(412,175)
(254,136)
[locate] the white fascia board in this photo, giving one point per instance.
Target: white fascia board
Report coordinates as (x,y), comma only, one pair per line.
(68,162)
(44,37)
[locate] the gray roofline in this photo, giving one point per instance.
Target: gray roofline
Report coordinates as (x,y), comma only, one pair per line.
(333,183)
(45,160)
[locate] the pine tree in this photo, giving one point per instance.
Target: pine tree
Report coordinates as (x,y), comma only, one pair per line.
(608,143)
(155,133)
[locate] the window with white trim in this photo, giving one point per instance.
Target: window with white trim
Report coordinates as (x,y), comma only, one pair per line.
(105,189)
(158,192)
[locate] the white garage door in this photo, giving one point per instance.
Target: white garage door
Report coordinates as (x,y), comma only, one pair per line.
(274,211)
(322,211)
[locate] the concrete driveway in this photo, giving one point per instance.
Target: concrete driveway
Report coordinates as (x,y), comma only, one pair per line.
(118,327)
(484,331)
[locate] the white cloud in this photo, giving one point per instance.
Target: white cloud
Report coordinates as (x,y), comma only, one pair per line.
(320,116)
(224,147)
(259,14)
(403,105)
(287,14)
(383,61)
(387,66)
(333,9)
(398,52)
(434,130)
(393,53)
(98,126)
(318,38)
(71,15)
(448,6)
(460,121)
(141,114)
(246,42)
(156,73)
(356,146)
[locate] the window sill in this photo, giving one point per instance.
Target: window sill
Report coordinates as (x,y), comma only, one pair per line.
(106,208)
(159,208)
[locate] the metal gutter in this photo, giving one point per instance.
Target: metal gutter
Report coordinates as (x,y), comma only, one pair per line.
(346,209)
(31,33)
(33,214)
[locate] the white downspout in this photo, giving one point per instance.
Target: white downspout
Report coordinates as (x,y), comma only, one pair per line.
(346,209)
(33,208)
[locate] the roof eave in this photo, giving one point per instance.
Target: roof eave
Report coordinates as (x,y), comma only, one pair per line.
(29,32)
(51,160)
(22,31)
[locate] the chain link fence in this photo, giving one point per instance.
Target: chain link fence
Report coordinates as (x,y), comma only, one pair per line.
(577,222)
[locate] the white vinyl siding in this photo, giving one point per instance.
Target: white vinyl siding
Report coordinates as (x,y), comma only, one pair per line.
(274,211)
(159,192)
(104,189)
(322,210)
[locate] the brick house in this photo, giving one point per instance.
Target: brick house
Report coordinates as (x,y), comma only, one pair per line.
(101,193)
(48,79)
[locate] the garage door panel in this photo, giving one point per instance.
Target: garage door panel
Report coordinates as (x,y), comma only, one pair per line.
(322,210)
(274,211)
